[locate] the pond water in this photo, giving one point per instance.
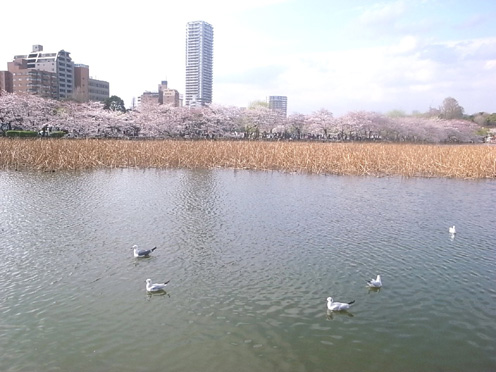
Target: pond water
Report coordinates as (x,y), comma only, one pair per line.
(251,258)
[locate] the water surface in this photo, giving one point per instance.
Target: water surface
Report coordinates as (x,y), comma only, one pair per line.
(252,257)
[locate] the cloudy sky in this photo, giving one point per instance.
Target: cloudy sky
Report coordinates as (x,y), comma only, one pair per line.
(338,55)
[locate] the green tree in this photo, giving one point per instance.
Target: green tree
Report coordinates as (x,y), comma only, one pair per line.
(491,119)
(451,109)
(396,114)
(114,103)
(258,103)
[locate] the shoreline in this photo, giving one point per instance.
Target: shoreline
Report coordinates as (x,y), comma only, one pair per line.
(463,161)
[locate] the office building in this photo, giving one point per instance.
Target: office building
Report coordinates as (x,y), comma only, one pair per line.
(199,63)
(279,104)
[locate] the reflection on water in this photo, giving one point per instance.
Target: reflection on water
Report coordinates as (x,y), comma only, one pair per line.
(252,257)
(332,314)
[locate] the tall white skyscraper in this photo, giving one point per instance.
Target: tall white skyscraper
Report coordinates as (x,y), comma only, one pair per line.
(199,63)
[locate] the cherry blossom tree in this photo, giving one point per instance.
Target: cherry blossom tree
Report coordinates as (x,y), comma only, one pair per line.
(296,125)
(90,119)
(153,120)
(257,120)
(360,125)
(322,124)
(434,130)
(222,120)
(25,111)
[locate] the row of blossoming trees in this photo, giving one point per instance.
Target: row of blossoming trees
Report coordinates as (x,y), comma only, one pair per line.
(29,112)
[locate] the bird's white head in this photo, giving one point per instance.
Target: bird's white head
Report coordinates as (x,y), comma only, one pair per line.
(329,299)
(135,246)
(148,281)
(378,278)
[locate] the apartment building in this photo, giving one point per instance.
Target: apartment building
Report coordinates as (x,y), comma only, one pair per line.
(279,104)
(199,63)
(87,88)
(164,96)
(59,63)
(99,90)
(53,75)
(6,82)
(148,97)
(168,96)
(28,80)
(81,83)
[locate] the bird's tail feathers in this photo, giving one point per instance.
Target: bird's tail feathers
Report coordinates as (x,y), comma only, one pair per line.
(352,302)
(167,282)
(153,249)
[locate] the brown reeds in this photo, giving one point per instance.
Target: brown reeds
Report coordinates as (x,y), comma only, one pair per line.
(373,159)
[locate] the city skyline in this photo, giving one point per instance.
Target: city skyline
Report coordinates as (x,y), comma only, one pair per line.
(360,55)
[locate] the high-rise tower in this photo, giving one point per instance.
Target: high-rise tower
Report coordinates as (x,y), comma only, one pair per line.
(199,63)
(279,104)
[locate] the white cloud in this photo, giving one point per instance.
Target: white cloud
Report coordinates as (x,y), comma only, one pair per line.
(378,57)
(491,64)
(407,44)
(382,16)
(399,76)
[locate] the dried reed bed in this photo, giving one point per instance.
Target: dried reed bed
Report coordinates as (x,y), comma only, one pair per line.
(453,161)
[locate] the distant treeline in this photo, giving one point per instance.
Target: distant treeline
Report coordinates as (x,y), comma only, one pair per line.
(46,117)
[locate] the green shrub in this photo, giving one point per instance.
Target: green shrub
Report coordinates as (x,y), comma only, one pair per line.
(57,134)
(21,133)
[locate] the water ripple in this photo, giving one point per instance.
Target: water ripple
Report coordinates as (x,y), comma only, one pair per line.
(251,257)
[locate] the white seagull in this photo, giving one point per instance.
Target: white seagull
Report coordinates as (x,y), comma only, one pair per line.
(375,283)
(452,230)
(142,252)
(338,306)
(156,287)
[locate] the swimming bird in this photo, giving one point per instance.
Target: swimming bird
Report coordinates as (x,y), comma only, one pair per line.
(375,283)
(338,306)
(156,287)
(142,252)
(452,230)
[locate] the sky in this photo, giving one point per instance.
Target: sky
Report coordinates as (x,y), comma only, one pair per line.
(341,56)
